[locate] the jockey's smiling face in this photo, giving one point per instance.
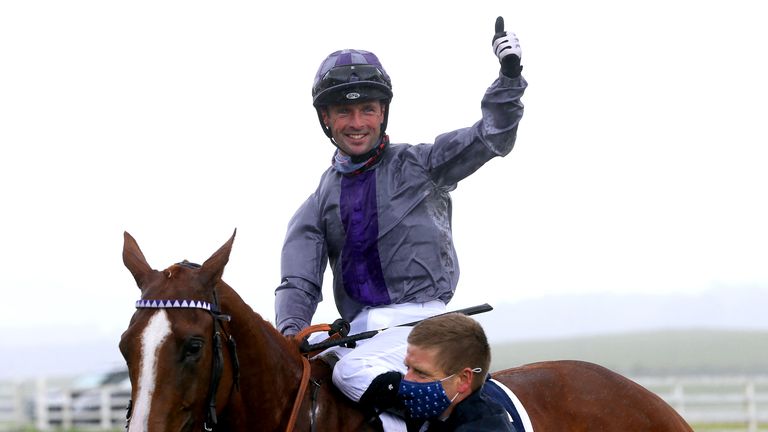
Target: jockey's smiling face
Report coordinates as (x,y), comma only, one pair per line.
(355,127)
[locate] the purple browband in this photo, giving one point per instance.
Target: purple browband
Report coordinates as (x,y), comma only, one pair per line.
(173,304)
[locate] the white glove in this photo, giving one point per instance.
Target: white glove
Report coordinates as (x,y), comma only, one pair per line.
(507,49)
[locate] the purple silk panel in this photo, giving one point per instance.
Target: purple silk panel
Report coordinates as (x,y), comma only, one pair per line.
(360,263)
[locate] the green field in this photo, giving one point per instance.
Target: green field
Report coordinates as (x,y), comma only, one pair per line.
(692,352)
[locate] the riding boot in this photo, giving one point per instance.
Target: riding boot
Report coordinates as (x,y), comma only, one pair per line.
(382,396)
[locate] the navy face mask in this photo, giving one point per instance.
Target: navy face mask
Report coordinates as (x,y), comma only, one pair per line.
(425,400)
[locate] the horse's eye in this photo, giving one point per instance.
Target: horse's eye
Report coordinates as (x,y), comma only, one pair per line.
(193,347)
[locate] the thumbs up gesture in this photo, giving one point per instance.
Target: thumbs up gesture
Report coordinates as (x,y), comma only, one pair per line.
(507,49)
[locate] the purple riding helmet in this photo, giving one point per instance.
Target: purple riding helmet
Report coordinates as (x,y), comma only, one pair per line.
(351,76)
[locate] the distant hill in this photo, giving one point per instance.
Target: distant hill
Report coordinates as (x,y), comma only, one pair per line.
(719,331)
(600,314)
(677,352)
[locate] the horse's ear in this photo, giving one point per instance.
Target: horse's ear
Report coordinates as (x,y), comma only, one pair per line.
(213,267)
(134,259)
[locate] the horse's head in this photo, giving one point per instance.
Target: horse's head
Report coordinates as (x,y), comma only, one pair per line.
(175,345)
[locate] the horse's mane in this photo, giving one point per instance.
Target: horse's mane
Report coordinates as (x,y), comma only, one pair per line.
(251,322)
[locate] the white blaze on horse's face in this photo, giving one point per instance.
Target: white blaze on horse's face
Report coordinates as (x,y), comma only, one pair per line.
(152,338)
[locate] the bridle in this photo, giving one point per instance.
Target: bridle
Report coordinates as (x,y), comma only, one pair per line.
(218,355)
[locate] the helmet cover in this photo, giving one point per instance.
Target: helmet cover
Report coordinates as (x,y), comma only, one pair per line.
(349,76)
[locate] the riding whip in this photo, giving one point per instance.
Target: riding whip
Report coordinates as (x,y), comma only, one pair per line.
(305,347)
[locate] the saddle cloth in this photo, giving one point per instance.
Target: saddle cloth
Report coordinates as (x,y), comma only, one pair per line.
(504,396)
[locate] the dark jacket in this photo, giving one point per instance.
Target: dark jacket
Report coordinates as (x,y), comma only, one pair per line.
(477,413)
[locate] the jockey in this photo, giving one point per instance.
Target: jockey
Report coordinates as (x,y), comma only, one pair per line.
(381,216)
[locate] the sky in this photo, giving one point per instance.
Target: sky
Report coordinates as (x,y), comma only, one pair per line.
(639,165)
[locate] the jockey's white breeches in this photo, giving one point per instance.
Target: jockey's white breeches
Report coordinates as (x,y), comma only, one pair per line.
(382,353)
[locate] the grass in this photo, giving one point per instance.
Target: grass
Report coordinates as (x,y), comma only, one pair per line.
(650,353)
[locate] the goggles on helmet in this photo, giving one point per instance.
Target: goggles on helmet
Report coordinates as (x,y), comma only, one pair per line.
(352,83)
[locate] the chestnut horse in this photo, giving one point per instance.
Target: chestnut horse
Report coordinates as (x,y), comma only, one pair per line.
(187,373)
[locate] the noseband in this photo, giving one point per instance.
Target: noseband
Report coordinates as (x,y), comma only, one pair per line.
(218,356)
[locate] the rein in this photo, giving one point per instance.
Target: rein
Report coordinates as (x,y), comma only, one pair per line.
(305,373)
(218,356)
